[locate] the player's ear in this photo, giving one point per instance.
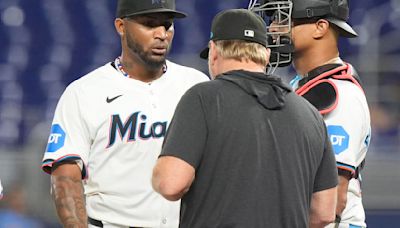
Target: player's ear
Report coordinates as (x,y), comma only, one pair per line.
(268,55)
(119,26)
(212,53)
(321,28)
(212,60)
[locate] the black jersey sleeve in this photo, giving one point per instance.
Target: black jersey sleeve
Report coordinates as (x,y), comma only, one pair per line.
(327,174)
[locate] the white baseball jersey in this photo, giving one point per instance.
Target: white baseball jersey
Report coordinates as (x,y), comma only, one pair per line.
(349,129)
(116,125)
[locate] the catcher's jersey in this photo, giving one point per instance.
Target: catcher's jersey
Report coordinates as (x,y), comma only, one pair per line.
(115,125)
(349,129)
(350,132)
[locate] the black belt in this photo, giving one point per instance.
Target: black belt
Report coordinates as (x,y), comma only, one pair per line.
(99,223)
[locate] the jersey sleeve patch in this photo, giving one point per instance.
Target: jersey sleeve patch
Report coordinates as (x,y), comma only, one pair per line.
(56,138)
(339,138)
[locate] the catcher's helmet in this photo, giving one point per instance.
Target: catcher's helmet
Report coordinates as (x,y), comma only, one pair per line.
(335,11)
(284,11)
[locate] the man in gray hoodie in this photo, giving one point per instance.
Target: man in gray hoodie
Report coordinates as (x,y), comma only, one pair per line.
(244,150)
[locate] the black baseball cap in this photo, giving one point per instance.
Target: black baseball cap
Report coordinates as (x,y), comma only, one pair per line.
(127,8)
(237,24)
(334,11)
(345,29)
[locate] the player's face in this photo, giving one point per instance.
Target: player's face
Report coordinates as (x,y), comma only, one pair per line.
(300,34)
(278,25)
(149,37)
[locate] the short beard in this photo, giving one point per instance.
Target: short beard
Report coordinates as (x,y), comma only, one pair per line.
(143,55)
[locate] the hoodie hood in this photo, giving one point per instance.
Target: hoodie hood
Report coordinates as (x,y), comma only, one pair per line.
(269,90)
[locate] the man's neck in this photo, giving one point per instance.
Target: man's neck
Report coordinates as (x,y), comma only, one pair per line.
(305,62)
(138,70)
(231,64)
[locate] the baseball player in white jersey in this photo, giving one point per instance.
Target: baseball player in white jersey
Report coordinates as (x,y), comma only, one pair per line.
(109,126)
(307,32)
(348,123)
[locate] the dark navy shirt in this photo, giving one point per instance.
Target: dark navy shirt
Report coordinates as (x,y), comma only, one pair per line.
(258,149)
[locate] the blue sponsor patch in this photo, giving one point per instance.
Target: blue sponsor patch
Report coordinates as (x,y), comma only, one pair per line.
(56,138)
(339,138)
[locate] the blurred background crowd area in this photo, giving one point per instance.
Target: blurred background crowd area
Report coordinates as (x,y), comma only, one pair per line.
(46,44)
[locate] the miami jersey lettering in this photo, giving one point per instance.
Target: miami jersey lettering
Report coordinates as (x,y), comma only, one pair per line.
(135,126)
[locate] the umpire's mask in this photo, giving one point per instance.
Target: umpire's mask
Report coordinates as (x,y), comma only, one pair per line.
(277,15)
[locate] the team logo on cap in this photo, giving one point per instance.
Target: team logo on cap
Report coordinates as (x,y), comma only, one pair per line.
(248,33)
(56,138)
(339,138)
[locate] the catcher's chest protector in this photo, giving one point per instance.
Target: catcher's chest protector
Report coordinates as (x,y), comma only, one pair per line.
(322,92)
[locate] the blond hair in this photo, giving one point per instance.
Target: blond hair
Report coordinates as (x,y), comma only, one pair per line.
(241,50)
